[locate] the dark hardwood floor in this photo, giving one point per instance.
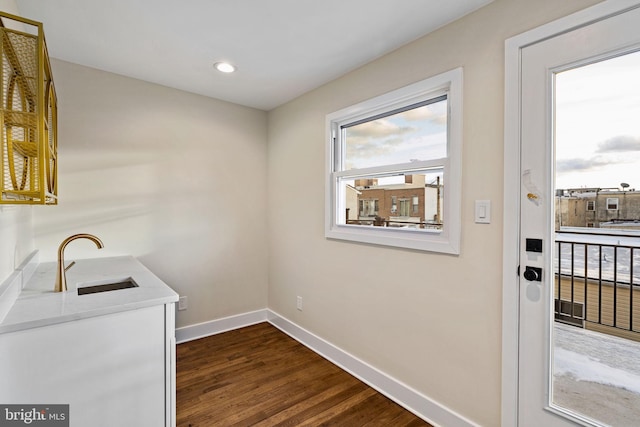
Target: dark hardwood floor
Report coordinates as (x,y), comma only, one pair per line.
(259,376)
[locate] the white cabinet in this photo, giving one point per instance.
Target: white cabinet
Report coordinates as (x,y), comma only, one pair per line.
(113,370)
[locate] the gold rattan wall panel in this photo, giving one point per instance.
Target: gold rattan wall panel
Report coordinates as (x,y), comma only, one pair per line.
(28,115)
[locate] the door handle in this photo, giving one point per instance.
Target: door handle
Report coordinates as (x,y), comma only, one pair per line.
(533,274)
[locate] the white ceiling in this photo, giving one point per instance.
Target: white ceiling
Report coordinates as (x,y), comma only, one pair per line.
(282,48)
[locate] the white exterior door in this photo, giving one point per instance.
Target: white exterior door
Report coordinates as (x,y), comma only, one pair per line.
(604,31)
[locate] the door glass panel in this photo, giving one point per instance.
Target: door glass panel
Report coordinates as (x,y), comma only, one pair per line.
(596,334)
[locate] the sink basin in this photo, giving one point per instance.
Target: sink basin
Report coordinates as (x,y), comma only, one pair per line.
(107,287)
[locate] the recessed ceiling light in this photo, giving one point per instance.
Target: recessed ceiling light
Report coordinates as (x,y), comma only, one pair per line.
(224,67)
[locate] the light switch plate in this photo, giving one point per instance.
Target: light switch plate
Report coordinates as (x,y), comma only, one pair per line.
(483,212)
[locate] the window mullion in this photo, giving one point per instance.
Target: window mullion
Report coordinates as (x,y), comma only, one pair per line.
(400,169)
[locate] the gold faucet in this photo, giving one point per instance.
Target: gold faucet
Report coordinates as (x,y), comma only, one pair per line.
(61,278)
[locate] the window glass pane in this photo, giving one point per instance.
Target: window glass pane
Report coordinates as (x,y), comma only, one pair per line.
(411,200)
(404,207)
(416,134)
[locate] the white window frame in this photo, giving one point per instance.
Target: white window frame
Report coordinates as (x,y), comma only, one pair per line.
(610,201)
(592,204)
(446,240)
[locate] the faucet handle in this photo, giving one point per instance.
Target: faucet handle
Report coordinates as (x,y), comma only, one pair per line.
(71,264)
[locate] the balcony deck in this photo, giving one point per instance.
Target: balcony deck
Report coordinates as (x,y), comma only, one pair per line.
(597,375)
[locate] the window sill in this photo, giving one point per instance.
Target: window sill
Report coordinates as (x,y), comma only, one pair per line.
(423,240)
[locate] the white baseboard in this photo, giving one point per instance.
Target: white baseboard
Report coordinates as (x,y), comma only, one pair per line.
(412,400)
(201,330)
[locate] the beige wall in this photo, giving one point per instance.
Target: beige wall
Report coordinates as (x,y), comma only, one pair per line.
(432,321)
(16,235)
(163,175)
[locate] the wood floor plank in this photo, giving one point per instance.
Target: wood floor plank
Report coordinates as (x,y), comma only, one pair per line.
(342,408)
(308,406)
(296,394)
(259,376)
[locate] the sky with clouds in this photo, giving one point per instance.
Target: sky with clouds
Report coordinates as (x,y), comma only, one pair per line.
(418,134)
(598,124)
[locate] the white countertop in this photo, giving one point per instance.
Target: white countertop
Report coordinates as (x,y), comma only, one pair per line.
(38,305)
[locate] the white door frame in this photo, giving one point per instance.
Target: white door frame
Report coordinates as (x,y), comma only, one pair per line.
(512,180)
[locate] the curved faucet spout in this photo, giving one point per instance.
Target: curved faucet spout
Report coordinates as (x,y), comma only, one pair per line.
(61,278)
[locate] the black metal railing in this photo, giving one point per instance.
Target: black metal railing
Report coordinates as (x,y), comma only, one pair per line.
(596,282)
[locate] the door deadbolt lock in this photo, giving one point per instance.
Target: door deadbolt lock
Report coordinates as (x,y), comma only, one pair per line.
(533,274)
(534,245)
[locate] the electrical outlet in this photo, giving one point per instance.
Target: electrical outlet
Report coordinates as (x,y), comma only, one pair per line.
(183,303)
(299,303)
